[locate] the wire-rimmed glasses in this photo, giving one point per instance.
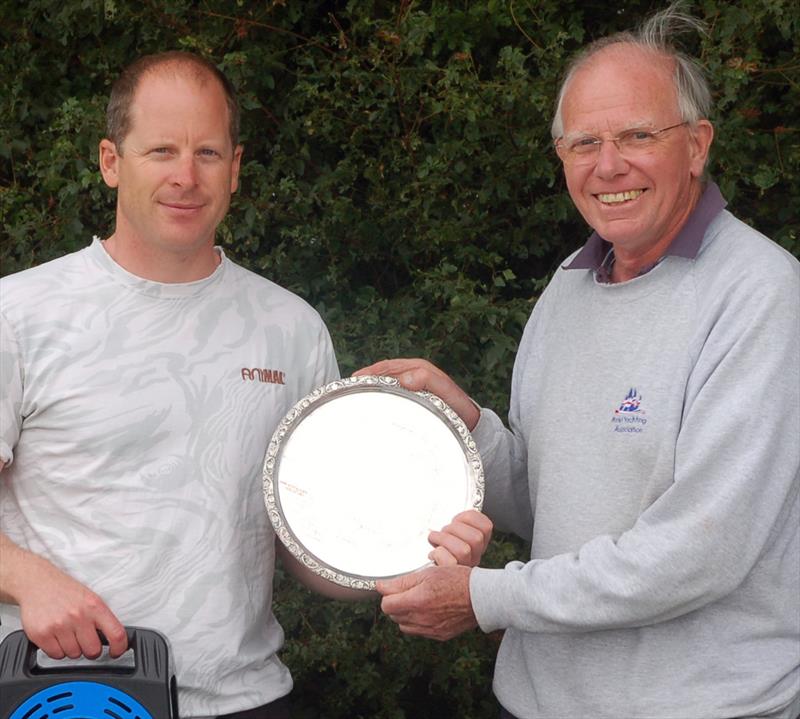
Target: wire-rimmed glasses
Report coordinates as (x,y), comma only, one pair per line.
(585,149)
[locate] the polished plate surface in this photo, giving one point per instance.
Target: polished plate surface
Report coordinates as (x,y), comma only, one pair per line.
(360,471)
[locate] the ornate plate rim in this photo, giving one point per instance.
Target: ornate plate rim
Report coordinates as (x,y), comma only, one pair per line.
(321,395)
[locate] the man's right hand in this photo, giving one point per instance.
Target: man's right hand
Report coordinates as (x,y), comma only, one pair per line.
(59,614)
(419,374)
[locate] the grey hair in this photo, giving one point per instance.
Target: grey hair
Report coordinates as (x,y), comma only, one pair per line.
(654,35)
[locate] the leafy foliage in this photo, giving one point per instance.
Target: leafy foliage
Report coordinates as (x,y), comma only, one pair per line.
(398,174)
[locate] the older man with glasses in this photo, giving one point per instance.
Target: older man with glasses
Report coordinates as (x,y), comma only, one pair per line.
(661,501)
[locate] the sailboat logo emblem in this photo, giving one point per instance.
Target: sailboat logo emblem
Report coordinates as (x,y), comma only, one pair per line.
(631,403)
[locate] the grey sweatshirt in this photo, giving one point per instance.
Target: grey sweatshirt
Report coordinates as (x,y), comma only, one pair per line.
(653,463)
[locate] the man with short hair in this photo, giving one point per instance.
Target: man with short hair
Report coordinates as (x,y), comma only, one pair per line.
(661,501)
(132,437)
(142,378)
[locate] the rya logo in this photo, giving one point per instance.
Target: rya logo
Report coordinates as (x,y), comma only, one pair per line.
(631,402)
(257,374)
(628,417)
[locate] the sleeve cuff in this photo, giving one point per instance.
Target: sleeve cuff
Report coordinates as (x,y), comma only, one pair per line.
(491,594)
(486,431)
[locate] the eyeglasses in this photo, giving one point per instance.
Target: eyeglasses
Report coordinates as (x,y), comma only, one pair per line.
(585,148)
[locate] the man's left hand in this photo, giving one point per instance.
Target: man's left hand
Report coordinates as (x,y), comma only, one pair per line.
(432,603)
(463,541)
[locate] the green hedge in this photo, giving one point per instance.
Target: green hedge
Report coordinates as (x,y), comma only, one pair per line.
(399,175)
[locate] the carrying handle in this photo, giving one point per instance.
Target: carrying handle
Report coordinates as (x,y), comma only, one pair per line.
(133,645)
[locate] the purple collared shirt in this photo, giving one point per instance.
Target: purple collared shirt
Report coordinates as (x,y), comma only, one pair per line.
(598,254)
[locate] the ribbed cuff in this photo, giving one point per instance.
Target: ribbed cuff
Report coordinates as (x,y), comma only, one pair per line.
(489,595)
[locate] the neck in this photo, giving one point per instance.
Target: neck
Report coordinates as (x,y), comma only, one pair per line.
(629,268)
(162,266)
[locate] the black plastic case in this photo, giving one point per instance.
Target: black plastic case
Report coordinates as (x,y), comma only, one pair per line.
(103,691)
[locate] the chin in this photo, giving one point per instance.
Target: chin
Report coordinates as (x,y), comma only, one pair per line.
(617,235)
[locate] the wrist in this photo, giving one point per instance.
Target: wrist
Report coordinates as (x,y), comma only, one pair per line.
(472,414)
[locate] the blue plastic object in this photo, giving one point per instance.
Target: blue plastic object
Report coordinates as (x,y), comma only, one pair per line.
(81,700)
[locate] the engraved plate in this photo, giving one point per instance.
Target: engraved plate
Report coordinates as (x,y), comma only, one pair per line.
(360,471)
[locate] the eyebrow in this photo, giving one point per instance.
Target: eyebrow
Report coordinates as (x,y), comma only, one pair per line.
(163,141)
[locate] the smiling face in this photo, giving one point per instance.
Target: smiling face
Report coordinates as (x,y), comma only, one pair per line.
(174,175)
(638,202)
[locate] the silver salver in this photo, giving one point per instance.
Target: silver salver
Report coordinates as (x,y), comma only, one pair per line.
(360,471)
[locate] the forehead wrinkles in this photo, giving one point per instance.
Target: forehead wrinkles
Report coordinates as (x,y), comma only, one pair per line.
(619,87)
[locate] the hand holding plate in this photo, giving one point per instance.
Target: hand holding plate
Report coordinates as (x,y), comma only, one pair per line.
(432,603)
(463,541)
(420,375)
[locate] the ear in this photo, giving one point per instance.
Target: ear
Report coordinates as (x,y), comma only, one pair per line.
(109,158)
(702,135)
(236,164)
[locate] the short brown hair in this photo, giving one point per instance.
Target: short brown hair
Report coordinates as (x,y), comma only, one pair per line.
(118,112)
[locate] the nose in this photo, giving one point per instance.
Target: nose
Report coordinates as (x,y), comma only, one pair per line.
(610,161)
(185,171)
